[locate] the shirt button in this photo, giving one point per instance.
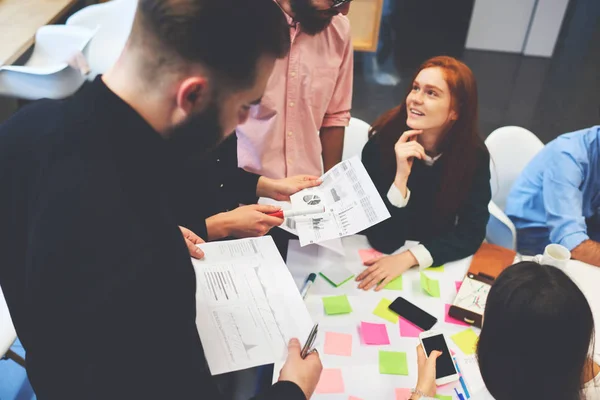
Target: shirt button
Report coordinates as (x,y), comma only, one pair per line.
(221,185)
(290,133)
(293,74)
(292,104)
(218,160)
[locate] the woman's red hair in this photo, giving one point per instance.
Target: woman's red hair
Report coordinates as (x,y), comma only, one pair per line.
(460,144)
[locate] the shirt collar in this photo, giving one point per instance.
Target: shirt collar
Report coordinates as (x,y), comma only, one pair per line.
(429,161)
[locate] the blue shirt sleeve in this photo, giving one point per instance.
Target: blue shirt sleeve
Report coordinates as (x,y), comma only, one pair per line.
(563,200)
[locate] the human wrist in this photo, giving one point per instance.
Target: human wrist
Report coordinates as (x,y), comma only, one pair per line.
(218,226)
(263,187)
(407,257)
(401,182)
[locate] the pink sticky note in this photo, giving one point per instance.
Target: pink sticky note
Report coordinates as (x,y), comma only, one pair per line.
(408,329)
(369,254)
(331,381)
(403,394)
(374,333)
(451,320)
(338,344)
(458,285)
(353,398)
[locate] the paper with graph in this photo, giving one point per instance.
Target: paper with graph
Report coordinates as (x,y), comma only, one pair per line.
(352,204)
(247,305)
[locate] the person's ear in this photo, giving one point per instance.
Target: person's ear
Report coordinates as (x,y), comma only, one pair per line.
(453,116)
(192,93)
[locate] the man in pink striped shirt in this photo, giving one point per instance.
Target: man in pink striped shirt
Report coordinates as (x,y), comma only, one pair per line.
(298,128)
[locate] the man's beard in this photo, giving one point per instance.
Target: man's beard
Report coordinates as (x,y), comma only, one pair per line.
(310,20)
(199,134)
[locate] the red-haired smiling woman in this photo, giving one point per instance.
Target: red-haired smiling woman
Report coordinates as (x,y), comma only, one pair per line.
(431,168)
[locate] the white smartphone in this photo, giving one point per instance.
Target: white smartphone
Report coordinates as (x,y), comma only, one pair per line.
(445,368)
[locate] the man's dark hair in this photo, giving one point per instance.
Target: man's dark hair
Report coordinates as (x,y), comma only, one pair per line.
(227,37)
(537,333)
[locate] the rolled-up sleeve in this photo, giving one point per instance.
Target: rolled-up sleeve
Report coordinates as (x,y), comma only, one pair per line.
(338,110)
(563,201)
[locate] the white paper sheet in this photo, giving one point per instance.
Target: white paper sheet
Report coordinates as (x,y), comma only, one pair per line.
(247,305)
(289,225)
(351,200)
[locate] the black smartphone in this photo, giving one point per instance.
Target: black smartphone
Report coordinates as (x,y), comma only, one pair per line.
(412,313)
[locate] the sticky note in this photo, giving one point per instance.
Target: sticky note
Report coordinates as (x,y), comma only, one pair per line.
(338,344)
(443,397)
(374,333)
(337,305)
(403,394)
(436,269)
(430,286)
(331,381)
(458,285)
(354,398)
(396,284)
(337,275)
(408,329)
(466,341)
(392,363)
(369,254)
(384,312)
(451,320)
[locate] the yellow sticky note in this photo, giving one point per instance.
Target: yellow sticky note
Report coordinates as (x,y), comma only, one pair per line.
(431,286)
(384,312)
(436,269)
(466,341)
(395,284)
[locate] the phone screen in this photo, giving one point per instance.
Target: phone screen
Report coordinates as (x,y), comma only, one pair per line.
(444,364)
(413,313)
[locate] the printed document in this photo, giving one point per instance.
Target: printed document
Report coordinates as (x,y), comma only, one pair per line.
(247,305)
(352,204)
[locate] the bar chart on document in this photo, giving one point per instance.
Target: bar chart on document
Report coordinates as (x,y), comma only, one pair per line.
(351,202)
(247,303)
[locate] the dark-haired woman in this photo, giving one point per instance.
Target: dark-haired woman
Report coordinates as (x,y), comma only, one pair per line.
(536,341)
(432,170)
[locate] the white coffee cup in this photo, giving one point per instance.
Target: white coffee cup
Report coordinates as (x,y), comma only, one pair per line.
(556,255)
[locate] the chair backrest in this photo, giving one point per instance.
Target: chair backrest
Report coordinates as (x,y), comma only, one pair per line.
(7,330)
(511,148)
(113,20)
(357,135)
(47,73)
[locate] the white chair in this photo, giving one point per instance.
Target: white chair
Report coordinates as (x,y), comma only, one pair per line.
(7,332)
(357,135)
(113,20)
(511,149)
(47,73)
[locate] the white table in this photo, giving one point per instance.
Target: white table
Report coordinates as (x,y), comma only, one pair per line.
(7,330)
(361,372)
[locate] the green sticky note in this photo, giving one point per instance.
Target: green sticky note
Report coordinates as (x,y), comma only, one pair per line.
(431,286)
(436,269)
(466,341)
(337,305)
(392,363)
(384,312)
(443,397)
(396,284)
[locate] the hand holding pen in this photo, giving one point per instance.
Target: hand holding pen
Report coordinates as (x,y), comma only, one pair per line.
(304,372)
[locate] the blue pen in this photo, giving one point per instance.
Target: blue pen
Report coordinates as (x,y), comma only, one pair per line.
(307,284)
(461,380)
(460,396)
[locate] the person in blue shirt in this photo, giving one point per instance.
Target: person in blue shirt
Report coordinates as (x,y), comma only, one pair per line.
(557,197)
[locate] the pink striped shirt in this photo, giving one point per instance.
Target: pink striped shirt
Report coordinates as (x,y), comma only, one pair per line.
(311,88)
